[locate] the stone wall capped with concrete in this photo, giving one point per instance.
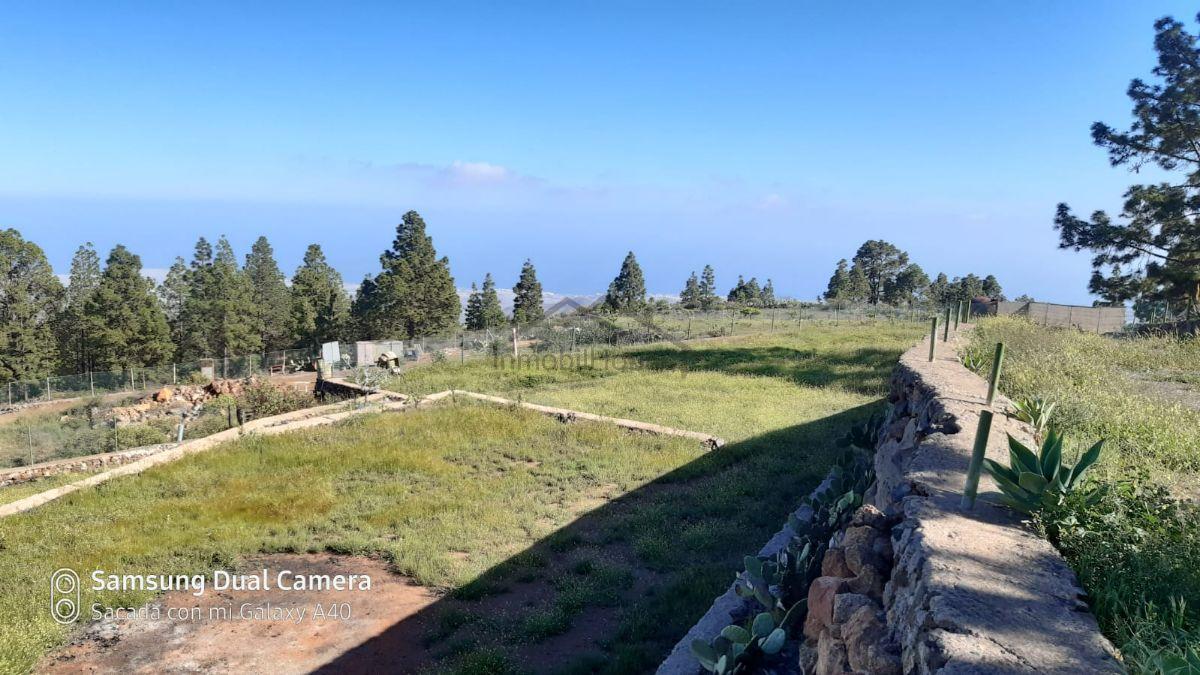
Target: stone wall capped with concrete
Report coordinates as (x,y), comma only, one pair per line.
(916,585)
(970,591)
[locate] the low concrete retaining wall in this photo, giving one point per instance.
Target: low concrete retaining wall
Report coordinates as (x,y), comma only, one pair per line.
(917,585)
(709,441)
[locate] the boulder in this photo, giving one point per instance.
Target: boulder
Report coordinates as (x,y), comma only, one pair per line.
(820,604)
(831,655)
(869,647)
(834,564)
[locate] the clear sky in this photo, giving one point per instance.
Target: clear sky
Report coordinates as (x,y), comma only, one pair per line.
(767,139)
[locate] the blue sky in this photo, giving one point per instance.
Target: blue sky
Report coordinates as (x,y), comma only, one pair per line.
(768,139)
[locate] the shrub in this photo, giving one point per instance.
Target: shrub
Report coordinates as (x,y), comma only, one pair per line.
(262,398)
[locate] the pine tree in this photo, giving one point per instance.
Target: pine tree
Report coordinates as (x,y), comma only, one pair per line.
(232,310)
(991,288)
(173,293)
(939,291)
(30,297)
(474,314)
(74,341)
(737,294)
(628,290)
(767,296)
(193,320)
(270,295)
(708,288)
(217,317)
(838,282)
(905,288)
(414,295)
(527,303)
(123,314)
(879,262)
(493,314)
(320,308)
(689,297)
(753,294)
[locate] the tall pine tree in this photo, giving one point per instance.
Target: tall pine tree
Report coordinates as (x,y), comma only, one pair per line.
(74,341)
(233,312)
(628,290)
(173,292)
(270,296)
(320,308)
(708,288)
(123,316)
(767,295)
(30,297)
(474,313)
(493,314)
(689,297)
(414,295)
(218,315)
(527,303)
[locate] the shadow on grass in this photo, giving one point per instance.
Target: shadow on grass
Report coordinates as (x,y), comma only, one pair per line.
(863,370)
(612,591)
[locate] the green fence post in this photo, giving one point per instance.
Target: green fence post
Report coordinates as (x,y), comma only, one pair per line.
(932,337)
(977,453)
(997,364)
(946,330)
(957,315)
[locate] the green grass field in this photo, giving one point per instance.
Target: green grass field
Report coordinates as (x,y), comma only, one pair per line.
(627,536)
(1135,550)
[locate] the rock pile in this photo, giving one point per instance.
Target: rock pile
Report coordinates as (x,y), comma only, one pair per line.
(173,401)
(846,629)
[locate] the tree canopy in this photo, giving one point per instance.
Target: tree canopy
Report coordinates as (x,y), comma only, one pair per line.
(29,302)
(628,290)
(414,294)
(1152,249)
(527,300)
(319,306)
(122,314)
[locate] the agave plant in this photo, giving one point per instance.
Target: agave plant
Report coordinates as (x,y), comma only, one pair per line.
(1036,411)
(1035,480)
(737,650)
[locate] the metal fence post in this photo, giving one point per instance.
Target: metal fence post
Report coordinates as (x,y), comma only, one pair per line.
(997,364)
(976,466)
(91,383)
(48,389)
(514,333)
(174,377)
(946,330)
(932,337)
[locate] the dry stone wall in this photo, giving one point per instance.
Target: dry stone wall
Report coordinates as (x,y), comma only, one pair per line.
(916,585)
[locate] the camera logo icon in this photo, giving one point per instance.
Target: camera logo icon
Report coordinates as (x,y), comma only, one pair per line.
(64,596)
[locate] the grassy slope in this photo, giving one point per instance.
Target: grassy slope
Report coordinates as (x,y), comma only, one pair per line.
(1095,381)
(1135,551)
(467,498)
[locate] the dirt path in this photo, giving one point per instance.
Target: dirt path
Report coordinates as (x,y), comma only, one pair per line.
(264,631)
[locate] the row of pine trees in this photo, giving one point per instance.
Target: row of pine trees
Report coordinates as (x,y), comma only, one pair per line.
(110,316)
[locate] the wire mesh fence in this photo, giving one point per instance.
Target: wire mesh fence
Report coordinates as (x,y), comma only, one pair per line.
(50,426)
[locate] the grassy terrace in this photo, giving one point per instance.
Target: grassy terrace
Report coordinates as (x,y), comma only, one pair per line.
(613,542)
(1136,550)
